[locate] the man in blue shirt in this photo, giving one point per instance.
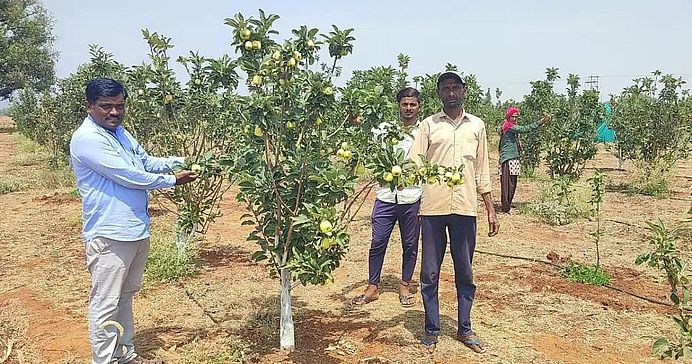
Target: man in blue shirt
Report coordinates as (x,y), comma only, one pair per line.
(114,175)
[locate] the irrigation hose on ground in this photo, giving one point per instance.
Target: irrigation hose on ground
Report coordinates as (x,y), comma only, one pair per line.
(651,300)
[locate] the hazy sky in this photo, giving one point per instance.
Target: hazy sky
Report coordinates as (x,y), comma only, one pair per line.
(505,44)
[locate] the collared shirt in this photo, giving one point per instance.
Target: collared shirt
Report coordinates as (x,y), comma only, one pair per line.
(409,194)
(114,175)
(451,143)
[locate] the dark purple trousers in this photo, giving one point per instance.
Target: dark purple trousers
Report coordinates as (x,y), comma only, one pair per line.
(460,232)
(384,216)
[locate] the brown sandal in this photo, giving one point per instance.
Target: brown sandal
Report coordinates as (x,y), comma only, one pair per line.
(408,299)
(472,342)
(362,300)
(429,343)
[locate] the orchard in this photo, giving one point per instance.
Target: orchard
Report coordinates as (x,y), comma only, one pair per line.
(257,260)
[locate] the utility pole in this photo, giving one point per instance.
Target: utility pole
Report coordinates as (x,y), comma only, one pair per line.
(592,82)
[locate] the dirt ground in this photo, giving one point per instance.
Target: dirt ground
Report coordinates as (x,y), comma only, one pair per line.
(524,311)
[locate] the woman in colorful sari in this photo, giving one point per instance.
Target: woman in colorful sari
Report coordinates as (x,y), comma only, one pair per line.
(510,148)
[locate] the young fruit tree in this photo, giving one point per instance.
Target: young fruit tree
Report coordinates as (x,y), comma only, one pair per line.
(306,147)
(652,120)
(192,119)
(570,140)
(291,185)
(664,255)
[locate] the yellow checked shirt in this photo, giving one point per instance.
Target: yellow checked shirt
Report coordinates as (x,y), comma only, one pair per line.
(450,143)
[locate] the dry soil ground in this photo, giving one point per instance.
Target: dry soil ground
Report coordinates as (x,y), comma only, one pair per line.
(524,311)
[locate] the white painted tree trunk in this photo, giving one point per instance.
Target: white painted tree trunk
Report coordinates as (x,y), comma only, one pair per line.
(287,332)
(183,238)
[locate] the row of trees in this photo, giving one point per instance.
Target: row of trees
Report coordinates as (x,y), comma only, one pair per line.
(297,146)
(652,121)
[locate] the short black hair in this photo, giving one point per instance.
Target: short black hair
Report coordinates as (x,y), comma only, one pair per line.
(448,75)
(104,87)
(408,92)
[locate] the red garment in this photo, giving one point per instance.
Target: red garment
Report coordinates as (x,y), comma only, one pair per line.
(508,124)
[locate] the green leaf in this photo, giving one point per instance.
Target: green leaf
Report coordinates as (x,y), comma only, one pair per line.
(641,259)
(300,220)
(681,324)
(659,345)
(258,256)
(686,353)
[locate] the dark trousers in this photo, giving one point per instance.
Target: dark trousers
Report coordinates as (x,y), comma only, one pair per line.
(384,216)
(462,243)
(508,185)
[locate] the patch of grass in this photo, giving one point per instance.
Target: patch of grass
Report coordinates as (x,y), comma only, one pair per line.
(30,159)
(9,185)
(220,350)
(27,145)
(61,177)
(558,207)
(74,192)
(658,189)
(585,274)
(165,264)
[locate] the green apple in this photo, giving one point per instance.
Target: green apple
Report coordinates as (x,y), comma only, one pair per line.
(326,227)
(256,80)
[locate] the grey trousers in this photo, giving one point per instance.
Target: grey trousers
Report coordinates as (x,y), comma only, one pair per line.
(116,269)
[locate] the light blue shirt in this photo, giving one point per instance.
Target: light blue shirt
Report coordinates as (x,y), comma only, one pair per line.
(114,174)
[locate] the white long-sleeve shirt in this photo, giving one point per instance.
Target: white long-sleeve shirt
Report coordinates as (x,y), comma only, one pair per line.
(407,195)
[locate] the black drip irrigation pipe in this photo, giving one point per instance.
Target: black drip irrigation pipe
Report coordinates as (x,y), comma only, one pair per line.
(650,300)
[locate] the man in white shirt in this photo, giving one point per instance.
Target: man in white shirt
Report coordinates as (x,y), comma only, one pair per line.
(391,206)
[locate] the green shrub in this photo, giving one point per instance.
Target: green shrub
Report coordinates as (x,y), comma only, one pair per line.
(557,204)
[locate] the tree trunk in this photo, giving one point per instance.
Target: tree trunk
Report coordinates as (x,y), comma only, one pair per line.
(183,237)
(286,329)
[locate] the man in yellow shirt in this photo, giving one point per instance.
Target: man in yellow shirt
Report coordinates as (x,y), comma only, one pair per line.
(452,138)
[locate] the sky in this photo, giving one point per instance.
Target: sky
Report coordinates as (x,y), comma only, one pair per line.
(506,44)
